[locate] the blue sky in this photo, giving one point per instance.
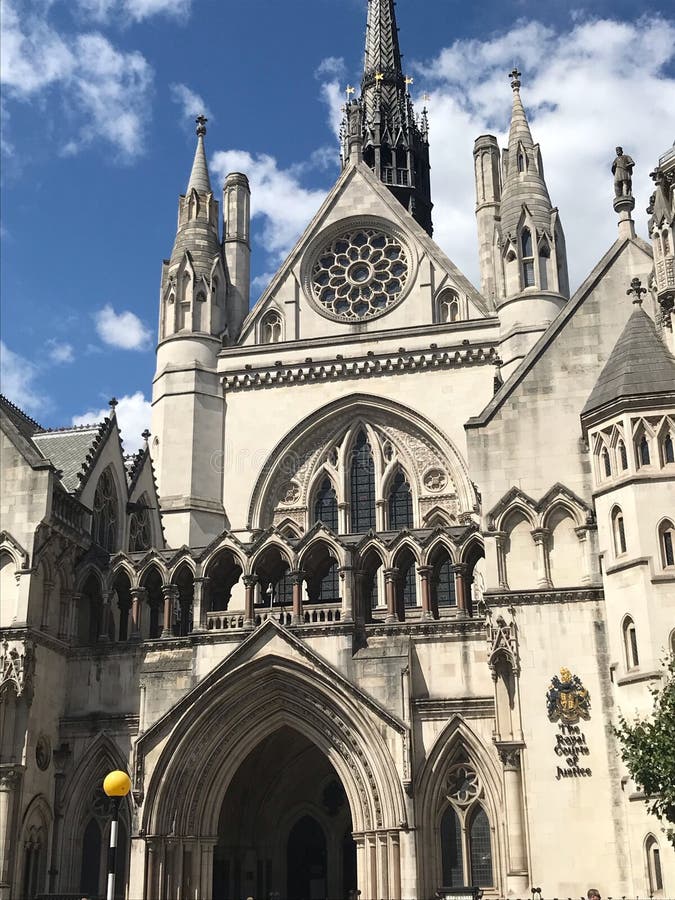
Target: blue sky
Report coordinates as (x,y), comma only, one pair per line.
(97,134)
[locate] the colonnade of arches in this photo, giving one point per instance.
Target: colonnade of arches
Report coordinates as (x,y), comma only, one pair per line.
(314,582)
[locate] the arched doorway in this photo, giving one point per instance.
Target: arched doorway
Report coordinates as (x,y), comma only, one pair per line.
(285,826)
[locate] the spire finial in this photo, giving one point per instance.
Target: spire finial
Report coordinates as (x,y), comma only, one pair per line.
(112,403)
(637,291)
(146,436)
(514,75)
(201,125)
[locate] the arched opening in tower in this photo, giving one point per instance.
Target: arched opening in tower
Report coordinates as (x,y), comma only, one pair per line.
(285,827)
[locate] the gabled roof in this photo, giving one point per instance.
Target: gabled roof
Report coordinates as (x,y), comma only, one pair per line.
(72,451)
(640,365)
(23,423)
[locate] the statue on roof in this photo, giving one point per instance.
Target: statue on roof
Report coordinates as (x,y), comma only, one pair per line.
(622,170)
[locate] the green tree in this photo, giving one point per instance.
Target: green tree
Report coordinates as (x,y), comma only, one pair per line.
(648,750)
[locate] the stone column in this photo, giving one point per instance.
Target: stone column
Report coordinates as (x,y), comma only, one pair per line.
(460,571)
(500,543)
(249,600)
(518,876)
(139,597)
(391,590)
(170,593)
(394,865)
(584,537)
(360,611)
(297,578)
(47,589)
(542,537)
(199,604)
(382,866)
(152,870)
(425,573)
(10,783)
(103,635)
(380,524)
(347,584)
(343,518)
(207,846)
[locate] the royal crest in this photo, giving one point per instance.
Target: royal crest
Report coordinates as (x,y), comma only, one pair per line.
(567,699)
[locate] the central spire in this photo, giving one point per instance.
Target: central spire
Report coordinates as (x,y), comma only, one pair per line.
(394,140)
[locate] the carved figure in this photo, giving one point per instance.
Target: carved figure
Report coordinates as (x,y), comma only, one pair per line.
(622,169)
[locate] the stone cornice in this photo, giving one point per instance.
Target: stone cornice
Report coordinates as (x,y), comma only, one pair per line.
(545,596)
(370,364)
(443,709)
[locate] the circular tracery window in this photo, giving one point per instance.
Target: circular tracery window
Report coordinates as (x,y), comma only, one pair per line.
(462,784)
(360,274)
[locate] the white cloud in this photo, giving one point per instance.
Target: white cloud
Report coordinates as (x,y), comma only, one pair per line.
(331,67)
(191,103)
(133,417)
(126,11)
(124,330)
(106,89)
(587,89)
(277,197)
(60,352)
(17,377)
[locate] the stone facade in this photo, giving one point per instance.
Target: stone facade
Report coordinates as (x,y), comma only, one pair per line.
(397,551)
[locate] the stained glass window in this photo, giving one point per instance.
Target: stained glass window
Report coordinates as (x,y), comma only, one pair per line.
(362,482)
(325,506)
(481,849)
(104,516)
(400,504)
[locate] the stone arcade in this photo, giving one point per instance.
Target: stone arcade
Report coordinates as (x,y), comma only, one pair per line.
(415,552)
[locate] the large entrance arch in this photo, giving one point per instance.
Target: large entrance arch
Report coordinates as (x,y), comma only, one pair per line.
(285,826)
(272,692)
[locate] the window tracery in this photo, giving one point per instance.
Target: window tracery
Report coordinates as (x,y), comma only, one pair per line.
(325,505)
(271,328)
(105,511)
(362,483)
(448,306)
(140,534)
(360,274)
(466,844)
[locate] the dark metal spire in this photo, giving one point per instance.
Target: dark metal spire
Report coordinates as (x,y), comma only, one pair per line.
(395,143)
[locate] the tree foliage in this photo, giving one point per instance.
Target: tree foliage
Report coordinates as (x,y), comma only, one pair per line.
(648,750)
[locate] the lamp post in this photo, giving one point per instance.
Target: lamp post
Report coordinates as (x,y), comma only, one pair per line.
(116,785)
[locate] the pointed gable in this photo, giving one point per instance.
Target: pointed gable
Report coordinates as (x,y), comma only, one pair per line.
(639,366)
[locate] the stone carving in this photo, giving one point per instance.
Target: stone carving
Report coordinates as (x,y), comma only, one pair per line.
(435,480)
(43,752)
(17,665)
(567,699)
(289,493)
(462,784)
(622,170)
(502,640)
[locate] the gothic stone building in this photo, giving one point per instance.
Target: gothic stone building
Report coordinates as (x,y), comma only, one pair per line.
(397,552)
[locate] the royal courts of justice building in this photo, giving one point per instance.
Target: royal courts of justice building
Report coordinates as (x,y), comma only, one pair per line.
(397,551)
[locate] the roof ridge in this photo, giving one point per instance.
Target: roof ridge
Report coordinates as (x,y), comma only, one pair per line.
(5,401)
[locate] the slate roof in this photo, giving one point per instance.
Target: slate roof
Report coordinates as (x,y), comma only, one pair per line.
(68,450)
(23,423)
(640,365)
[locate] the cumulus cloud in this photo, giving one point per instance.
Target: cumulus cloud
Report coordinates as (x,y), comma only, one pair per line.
(133,417)
(60,352)
(191,103)
(106,89)
(124,330)
(17,379)
(331,67)
(278,199)
(331,72)
(587,89)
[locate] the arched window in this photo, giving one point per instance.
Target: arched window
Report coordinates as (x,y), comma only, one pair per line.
(667,542)
(630,643)
(183,315)
(362,484)
(643,454)
(448,307)
(521,161)
(325,505)
(606,463)
(668,449)
(618,531)
(527,256)
(90,872)
(140,536)
(442,579)
(654,865)
(409,583)
(666,242)
(623,456)
(466,843)
(544,257)
(400,503)
(104,516)
(271,328)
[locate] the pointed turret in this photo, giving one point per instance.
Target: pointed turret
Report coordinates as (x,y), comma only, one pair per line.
(522,247)
(199,176)
(394,141)
(187,397)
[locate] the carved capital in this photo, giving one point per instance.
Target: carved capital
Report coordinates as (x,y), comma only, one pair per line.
(10,778)
(510,757)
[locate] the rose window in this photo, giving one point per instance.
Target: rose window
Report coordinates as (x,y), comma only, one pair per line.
(360,274)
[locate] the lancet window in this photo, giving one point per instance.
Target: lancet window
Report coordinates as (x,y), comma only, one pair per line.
(271,329)
(448,307)
(105,512)
(400,503)
(630,643)
(466,841)
(325,505)
(527,256)
(667,542)
(362,484)
(618,531)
